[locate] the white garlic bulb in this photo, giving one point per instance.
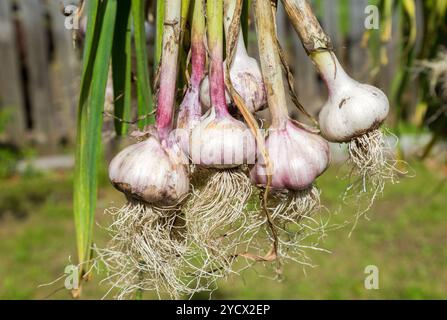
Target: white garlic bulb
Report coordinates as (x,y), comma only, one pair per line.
(151,171)
(352,108)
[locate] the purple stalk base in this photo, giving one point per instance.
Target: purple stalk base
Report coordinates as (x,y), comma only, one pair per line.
(165,99)
(190,108)
(217,83)
(198,56)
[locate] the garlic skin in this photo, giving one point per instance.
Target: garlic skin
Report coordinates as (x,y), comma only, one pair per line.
(189,111)
(188,117)
(297,156)
(151,171)
(245,75)
(352,108)
(247,81)
(246,78)
(222,142)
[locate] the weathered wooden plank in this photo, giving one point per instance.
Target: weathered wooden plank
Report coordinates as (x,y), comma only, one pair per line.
(64,75)
(33,20)
(10,80)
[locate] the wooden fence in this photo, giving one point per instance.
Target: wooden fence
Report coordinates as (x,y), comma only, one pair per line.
(39,71)
(38,75)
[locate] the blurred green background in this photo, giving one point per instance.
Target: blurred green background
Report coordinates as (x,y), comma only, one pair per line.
(405,238)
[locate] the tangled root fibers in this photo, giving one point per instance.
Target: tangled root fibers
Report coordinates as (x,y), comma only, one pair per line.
(298,223)
(372,166)
(215,218)
(147,251)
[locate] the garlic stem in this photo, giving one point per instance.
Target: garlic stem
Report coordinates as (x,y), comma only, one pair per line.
(307,26)
(230,6)
(316,42)
(271,64)
(330,69)
(184,14)
(198,52)
(215,46)
(168,67)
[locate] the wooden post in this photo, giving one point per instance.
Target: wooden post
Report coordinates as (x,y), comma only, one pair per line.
(64,75)
(32,18)
(11,100)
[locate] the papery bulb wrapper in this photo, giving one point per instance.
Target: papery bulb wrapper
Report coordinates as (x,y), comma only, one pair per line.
(297,157)
(188,117)
(352,108)
(151,171)
(222,142)
(246,78)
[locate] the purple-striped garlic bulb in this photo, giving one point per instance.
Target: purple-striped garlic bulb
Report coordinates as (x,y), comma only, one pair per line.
(221,147)
(151,171)
(298,156)
(148,248)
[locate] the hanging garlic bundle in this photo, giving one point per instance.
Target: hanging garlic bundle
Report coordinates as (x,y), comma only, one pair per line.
(297,154)
(190,110)
(220,146)
(354,111)
(245,73)
(147,246)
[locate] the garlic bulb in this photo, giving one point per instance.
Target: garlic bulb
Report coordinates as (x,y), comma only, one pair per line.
(222,142)
(352,108)
(151,172)
(297,155)
(245,73)
(353,114)
(246,79)
(145,237)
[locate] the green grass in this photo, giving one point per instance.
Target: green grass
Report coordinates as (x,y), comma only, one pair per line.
(405,238)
